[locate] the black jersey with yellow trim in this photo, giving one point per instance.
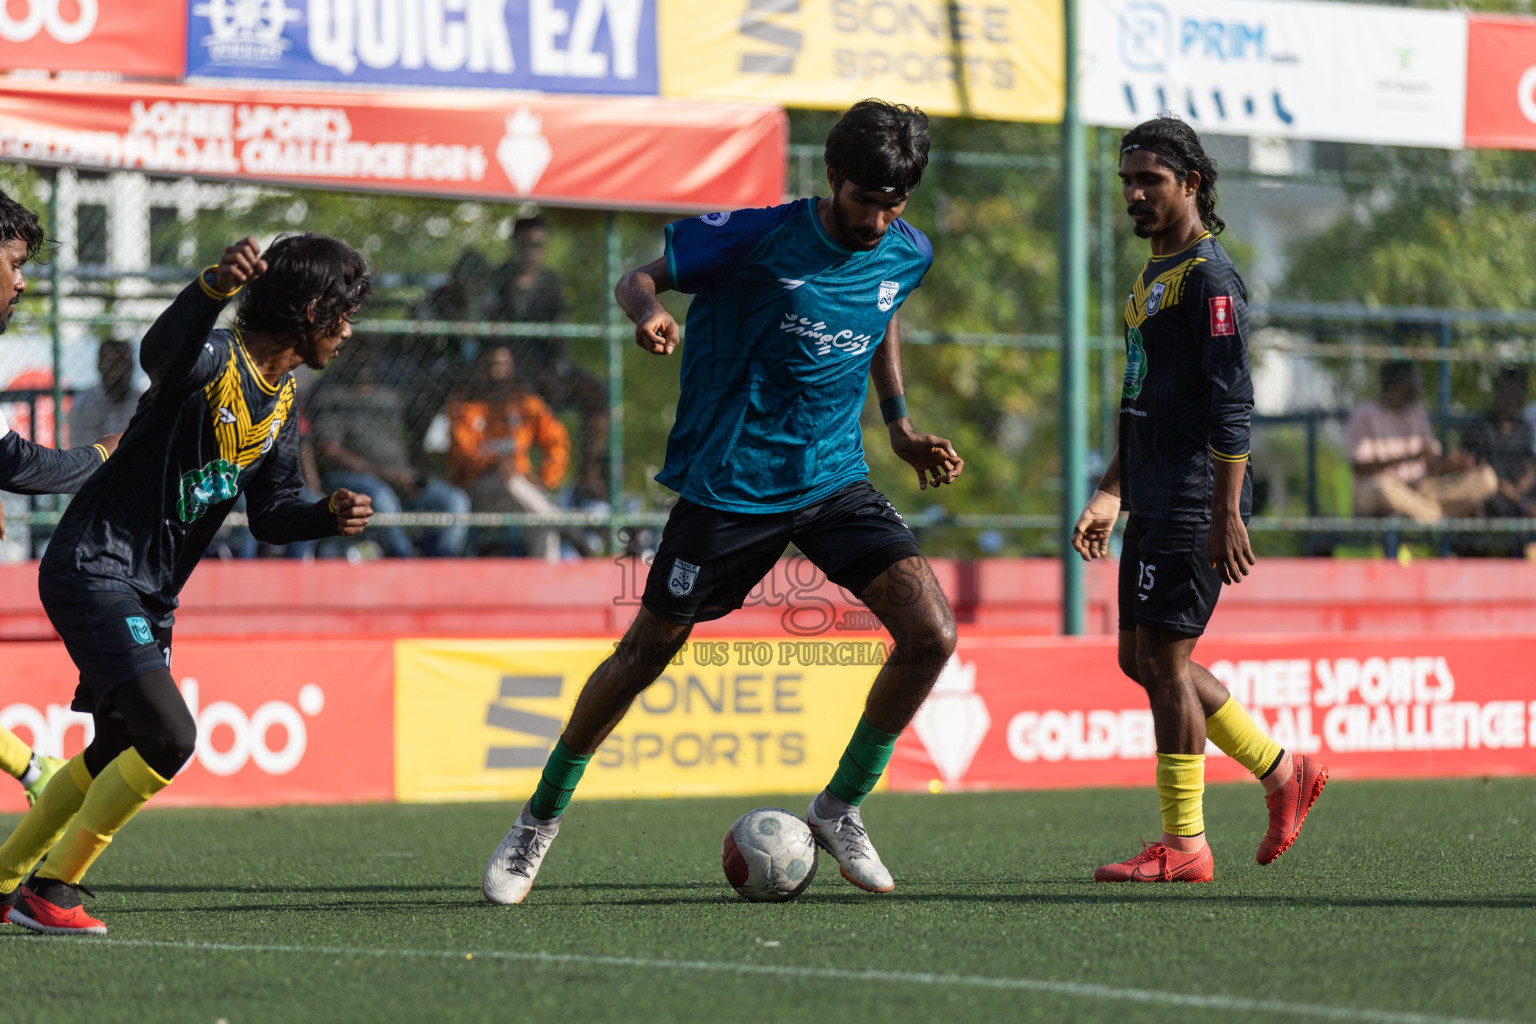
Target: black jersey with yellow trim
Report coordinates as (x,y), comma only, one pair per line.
(210,428)
(1187,397)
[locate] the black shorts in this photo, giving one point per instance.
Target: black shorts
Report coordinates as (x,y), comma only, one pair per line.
(1166,579)
(709,561)
(109,636)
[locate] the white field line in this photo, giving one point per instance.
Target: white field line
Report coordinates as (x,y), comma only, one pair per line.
(1231,1004)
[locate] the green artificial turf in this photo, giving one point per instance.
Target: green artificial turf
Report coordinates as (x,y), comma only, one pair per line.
(1400,899)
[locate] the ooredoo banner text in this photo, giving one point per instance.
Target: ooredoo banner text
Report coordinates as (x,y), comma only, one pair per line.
(138,38)
(278,722)
(617,153)
(1501,83)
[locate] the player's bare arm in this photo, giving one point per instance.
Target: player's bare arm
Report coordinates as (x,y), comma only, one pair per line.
(655,330)
(352,510)
(933,457)
(1231,554)
(1090,537)
(240,263)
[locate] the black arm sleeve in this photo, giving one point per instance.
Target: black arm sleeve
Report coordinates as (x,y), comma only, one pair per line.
(27,468)
(278,515)
(1223,334)
(173,345)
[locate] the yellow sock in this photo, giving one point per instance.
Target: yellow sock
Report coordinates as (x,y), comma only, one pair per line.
(42,826)
(1237,735)
(15,755)
(116,795)
(1181,789)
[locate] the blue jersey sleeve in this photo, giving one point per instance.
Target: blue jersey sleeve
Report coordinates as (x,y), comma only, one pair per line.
(920,242)
(704,251)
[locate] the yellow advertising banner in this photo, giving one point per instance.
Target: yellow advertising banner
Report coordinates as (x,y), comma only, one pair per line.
(1001,59)
(475,719)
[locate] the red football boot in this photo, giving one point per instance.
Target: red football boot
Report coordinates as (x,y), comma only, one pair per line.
(1157,863)
(1288,806)
(53,907)
(7,901)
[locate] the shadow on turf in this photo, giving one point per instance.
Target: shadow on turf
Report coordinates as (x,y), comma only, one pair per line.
(701,894)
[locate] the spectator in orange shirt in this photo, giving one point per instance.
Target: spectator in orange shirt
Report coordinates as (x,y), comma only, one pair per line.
(496,426)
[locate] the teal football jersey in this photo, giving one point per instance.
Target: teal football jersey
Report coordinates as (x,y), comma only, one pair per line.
(775,361)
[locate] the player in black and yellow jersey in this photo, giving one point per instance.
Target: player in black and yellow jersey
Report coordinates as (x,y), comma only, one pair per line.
(1181,470)
(28,468)
(217,421)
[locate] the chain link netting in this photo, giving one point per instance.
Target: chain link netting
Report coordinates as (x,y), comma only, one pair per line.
(493,402)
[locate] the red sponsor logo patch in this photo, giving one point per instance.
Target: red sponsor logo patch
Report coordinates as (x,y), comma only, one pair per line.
(1221,315)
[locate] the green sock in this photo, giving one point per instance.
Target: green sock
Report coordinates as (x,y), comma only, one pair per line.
(558,783)
(863,763)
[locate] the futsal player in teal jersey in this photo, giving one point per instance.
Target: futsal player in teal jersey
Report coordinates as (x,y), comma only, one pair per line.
(794,313)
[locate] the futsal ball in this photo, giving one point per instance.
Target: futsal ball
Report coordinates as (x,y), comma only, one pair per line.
(769,855)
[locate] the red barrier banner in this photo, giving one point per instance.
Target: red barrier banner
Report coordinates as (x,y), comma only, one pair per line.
(145,38)
(613,153)
(278,722)
(1501,83)
(1015,713)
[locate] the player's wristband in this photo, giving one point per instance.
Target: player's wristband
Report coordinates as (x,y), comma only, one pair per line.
(208,288)
(331,505)
(894,408)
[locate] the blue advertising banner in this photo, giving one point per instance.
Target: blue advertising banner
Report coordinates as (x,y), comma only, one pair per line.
(572,46)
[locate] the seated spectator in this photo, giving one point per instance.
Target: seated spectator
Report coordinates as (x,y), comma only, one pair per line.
(360,444)
(107,407)
(496,425)
(1397,461)
(530,292)
(1503,441)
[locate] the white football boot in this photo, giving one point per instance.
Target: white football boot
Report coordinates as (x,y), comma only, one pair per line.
(510,874)
(843,836)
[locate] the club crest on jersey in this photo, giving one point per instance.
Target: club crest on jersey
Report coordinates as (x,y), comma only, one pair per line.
(1135,364)
(1221,316)
(715,220)
(887,299)
(200,488)
(1155,297)
(138,628)
(684,576)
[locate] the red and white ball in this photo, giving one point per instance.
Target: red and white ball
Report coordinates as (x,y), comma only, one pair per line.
(769,855)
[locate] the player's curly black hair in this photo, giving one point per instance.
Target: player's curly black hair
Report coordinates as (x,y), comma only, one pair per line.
(877,144)
(1178,147)
(312,283)
(16,221)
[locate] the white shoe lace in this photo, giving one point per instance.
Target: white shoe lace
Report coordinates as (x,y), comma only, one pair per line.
(855,840)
